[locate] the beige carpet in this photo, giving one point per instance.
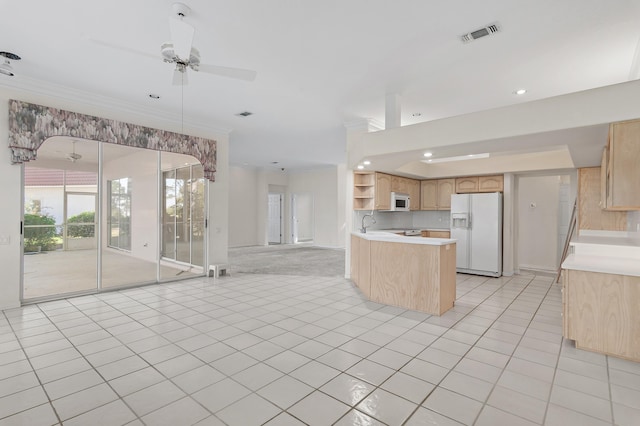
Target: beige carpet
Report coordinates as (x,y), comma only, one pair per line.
(287,259)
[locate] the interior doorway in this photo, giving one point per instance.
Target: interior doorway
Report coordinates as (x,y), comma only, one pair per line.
(302,225)
(543,212)
(275,219)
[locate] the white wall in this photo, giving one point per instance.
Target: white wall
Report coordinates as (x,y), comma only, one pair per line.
(243,205)
(217,249)
(322,184)
(10,214)
(537,204)
(248,203)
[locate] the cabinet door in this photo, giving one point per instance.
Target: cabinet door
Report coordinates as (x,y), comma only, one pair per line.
(490,183)
(355,259)
(590,215)
(439,234)
(414,194)
(565,307)
(446,187)
(467,184)
(399,184)
(604,177)
(429,195)
(624,173)
(383,191)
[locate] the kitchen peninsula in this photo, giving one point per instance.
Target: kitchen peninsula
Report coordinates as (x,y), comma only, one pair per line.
(410,272)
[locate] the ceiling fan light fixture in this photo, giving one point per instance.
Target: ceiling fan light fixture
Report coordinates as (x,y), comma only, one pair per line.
(6,69)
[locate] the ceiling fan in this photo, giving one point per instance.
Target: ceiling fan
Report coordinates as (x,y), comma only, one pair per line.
(73,156)
(180,51)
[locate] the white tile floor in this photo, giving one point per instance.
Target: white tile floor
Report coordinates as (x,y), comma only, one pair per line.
(285,350)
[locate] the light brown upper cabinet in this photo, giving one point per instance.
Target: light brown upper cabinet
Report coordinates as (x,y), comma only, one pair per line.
(435,194)
(467,184)
(590,213)
(620,167)
(446,187)
(414,194)
(429,195)
(480,184)
(491,183)
(399,184)
(383,191)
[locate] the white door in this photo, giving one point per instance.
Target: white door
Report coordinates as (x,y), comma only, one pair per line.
(302,217)
(275,219)
(486,232)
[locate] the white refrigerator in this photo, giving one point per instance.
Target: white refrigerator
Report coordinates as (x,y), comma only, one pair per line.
(476,225)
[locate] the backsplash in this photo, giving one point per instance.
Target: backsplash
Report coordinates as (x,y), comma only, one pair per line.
(633,224)
(404,220)
(431,219)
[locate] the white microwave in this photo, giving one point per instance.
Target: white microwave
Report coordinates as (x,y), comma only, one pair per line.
(400,202)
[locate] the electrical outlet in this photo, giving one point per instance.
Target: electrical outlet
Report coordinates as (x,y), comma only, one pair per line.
(5,240)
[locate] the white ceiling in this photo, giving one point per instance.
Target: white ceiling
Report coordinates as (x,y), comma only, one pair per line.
(319,64)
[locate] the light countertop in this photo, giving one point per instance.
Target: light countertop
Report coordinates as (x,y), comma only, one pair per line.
(603,264)
(605,253)
(389,236)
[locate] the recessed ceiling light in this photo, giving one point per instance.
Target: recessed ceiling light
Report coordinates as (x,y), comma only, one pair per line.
(428,154)
(244,114)
(520,91)
(274,162)
(457,158)
(366,162)
(360,167)
(154,96)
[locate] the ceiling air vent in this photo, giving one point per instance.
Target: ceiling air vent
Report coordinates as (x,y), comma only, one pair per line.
(479,33)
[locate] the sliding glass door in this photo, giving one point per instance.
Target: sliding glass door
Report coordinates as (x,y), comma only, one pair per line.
(110,216)
(183,218)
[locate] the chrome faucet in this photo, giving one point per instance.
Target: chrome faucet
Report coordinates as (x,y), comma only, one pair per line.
(364,228)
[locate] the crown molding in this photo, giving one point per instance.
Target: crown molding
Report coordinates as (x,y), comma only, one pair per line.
(364,124)
(38,91)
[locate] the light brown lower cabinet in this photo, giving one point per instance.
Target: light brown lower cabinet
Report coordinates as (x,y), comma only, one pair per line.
(435,234)
(601,312)
(420,277)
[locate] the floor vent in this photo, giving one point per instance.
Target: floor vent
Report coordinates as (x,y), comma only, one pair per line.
(479,33)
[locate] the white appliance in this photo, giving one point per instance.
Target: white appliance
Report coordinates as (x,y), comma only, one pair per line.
(400,202)
(476,225)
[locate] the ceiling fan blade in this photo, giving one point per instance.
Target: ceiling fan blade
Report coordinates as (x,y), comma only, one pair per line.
(179,78)
(237,73)
(181,37)
(121,48)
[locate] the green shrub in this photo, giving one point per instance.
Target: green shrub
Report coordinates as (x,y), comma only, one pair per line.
(82,231)
(41,237)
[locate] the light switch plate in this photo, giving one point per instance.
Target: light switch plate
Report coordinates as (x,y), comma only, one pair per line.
(5,240)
